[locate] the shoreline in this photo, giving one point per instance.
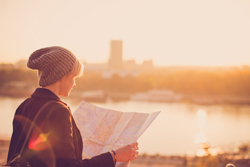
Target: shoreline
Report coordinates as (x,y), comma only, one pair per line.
(116,97)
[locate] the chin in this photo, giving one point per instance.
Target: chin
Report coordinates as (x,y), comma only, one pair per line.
(65,95)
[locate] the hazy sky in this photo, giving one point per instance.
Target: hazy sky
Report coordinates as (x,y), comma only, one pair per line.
(170,32)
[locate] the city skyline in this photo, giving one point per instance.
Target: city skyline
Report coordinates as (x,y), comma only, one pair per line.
(170,33)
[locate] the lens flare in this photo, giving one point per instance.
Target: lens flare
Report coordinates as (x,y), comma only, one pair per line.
(40,143)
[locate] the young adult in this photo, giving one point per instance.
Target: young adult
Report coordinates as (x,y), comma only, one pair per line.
(55,140)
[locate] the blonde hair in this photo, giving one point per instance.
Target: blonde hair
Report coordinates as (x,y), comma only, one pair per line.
(77,69)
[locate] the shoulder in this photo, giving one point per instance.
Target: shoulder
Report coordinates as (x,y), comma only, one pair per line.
(23,105)
(59,109)
(58,105)
(25,102)
(59,116)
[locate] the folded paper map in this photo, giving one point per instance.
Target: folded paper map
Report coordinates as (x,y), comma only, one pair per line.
(104,129)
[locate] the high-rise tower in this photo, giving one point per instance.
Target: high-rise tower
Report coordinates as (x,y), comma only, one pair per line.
(115,58)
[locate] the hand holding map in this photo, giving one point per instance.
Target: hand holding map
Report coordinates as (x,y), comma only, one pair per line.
(104,130)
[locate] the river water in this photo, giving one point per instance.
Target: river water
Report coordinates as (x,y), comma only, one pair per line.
(177,130)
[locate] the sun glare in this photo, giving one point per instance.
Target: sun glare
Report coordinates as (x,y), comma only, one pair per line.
(201,152)
(201,119)
(200,138)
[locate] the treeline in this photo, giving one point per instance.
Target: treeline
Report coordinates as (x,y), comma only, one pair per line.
(17,75)
(222,81)
(192,81)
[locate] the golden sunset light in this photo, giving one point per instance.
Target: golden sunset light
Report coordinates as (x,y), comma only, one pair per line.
(133,83)
(200,33)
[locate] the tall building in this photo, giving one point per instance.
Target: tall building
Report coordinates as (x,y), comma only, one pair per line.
(115,59)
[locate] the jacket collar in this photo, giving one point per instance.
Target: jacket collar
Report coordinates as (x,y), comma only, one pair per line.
(45,94)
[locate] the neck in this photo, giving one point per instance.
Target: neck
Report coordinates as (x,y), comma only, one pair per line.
(53,88)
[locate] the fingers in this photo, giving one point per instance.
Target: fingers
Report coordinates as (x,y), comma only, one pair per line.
(134,147)
(135,153)
(133,158)
(134,144)
(127,153)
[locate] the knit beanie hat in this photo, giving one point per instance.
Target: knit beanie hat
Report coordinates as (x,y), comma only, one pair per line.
(53,63)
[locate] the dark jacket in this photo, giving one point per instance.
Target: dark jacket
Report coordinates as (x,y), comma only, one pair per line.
(55,140)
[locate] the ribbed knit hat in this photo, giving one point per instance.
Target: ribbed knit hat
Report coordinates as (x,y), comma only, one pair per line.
(54,63)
